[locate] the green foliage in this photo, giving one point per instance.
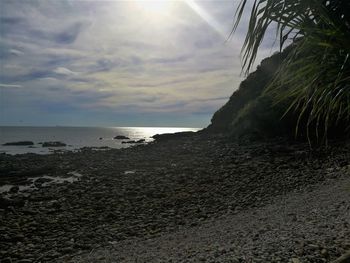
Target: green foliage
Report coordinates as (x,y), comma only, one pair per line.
(250,89)
(315,77)
(259,120)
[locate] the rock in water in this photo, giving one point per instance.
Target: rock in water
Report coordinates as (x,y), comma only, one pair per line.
(129,142)
(18,143)
(133,141)
(121,137)
(54,144)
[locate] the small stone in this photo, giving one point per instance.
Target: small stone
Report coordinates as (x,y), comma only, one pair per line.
(295,260)
(324,252)
(202,259)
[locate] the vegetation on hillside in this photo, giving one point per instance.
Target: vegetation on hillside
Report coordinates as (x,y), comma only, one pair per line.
(315,76)
(250,89)
(249,111)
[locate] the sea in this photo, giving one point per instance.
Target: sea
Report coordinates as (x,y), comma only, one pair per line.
(76,137)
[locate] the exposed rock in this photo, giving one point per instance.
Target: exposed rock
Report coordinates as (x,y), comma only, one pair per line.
(54,144)
(127,142)
(121,137)
(14,189)
(20,143)
(133,141)
(176,135)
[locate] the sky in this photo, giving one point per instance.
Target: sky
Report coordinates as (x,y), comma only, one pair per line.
(117,63)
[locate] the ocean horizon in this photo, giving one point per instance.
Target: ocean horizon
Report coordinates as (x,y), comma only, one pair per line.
(76,137)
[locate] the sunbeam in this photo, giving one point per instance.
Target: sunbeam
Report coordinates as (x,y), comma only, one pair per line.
(209,19)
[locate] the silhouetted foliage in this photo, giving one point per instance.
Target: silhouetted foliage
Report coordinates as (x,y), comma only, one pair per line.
(312,83)
(250,89)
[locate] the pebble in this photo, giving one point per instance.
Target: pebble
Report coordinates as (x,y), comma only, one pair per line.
(108,205)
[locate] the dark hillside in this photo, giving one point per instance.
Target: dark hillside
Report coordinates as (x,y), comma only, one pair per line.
(253,113)
(249,90)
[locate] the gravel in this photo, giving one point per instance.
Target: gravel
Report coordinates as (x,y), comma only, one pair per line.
(301,226)
(155,191)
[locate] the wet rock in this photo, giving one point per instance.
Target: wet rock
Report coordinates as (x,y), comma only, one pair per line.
(133,141)
(20,143)
(121,137)
(127,142)
(40,181)
(54,144)
(168,136)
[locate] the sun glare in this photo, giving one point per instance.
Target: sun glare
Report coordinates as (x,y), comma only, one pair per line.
(155,6)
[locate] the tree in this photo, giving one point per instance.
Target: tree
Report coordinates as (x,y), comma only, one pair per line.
(315,77)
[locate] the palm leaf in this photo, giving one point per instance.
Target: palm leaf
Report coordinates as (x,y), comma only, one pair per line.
(315,76)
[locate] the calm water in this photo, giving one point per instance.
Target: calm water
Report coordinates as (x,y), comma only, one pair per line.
(76,137)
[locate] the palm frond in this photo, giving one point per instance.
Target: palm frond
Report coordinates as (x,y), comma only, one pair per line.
(315,77)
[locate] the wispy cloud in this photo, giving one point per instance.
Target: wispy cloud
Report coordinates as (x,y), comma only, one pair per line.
(113,57)
(9,86)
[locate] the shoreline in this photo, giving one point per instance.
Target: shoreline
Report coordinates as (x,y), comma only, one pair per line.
(150,190)
(45,140)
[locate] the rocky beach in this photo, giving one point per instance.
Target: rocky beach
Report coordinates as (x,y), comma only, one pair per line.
(190,197)
(148,131)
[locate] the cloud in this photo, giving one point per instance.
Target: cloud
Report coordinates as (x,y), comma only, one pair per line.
(66,36)
(110,57)
(69,35)
(15,52)
(10,20)
(64,71)
(2,85)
